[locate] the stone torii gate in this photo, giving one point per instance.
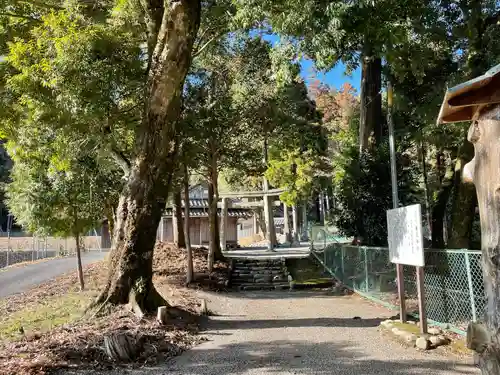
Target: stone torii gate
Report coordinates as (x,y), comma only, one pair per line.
(478,100)
(267,197)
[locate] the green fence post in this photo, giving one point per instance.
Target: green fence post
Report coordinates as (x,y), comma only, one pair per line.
(471,287)
(324,256)
(342,263)
(366,270)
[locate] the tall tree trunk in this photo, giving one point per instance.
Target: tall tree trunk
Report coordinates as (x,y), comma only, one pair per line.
(464,199)
(189,251)
(177,222)
(371,119)
(79,261)
(464,203)
(214,250)
(172,29)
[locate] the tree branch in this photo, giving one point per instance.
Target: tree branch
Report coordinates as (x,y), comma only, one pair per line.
(40,4)
(153,10)
(7,14)
(121,160)
(207,43)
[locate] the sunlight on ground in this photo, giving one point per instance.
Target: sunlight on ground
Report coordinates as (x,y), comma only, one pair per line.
(44,315)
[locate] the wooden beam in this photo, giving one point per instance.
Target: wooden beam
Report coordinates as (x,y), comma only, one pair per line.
(251,204)
(251,194)
(487,94)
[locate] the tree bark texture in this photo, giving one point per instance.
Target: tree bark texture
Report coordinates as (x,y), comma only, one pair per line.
(79,262)
(465,199)
(189,250)
(438,223)
(464,203)
(484,171)
(371,118)
(172,29)
(177,222)
(214,251)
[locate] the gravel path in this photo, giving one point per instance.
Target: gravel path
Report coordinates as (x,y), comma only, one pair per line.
(23,277)
(303,333)
(282,333)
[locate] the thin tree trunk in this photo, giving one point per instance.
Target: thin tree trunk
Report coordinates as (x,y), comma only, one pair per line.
(177,222)
(189,272)
(426,186)
(172,29)
(79,262)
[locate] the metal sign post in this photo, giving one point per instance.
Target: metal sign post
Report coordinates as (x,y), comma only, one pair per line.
(395,199)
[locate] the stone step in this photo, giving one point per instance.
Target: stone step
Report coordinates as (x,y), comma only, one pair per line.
(264,286)
(236,280)
(258,264)
(257,268)
(260,273)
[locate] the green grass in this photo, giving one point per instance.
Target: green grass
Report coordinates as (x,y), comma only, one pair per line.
(317,281)
(42,316)
(306,271)
(460,347)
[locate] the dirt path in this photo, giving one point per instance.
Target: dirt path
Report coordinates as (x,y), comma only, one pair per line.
(301,333)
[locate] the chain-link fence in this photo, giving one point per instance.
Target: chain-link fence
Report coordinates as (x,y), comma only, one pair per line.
(25,248)
(453,282)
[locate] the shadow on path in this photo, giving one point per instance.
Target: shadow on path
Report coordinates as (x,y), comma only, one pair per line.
(231,324)
(294,357)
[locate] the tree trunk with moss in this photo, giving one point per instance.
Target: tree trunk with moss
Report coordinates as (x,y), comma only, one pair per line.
(172,29)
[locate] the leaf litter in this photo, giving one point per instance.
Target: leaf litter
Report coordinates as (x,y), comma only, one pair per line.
(79,344)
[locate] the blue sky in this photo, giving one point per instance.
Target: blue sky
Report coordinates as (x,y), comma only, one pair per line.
(335,77)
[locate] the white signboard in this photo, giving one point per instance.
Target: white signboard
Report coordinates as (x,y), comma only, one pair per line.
(404,227)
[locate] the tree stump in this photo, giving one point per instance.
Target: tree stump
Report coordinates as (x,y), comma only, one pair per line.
(162,314)
(121,347)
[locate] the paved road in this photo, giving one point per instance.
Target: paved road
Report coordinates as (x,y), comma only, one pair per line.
(21,278)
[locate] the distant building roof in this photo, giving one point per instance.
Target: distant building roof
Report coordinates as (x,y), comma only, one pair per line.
(199,208)
(201,212)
